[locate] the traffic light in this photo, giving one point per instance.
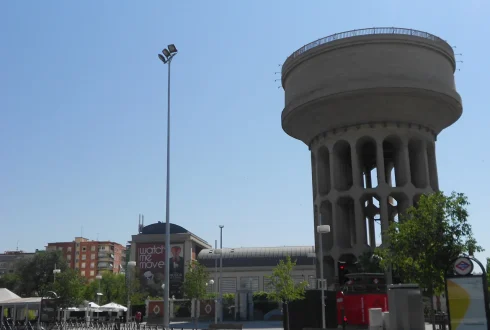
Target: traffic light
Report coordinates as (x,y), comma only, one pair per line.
(342,272)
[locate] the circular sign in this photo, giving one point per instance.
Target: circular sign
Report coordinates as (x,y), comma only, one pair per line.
(375,281)
(156,309)
(463,266)
(208,308)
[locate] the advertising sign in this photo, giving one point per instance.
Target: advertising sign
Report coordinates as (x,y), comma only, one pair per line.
(206,308)
(48,310)
(466,300)
(154,312)
(151,258)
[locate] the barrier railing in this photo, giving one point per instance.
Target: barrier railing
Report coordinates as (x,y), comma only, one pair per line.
(363,32)
(85,326)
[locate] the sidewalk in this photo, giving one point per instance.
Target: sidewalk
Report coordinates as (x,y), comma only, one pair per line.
(259,325)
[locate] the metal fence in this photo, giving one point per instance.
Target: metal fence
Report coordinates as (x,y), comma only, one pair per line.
(84,326)
(363,32)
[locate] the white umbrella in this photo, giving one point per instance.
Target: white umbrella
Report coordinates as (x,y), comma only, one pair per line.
(93,305)
(114,307)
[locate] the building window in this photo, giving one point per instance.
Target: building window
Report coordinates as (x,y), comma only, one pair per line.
(78,244)
(84,257)
(68,257)
(82,273)
(83,265)
(84,249)
(92,272)
(229,284)
(92,256)
(92,248)
(268,287)
(249,283)
(69,249)
(92,265)
(76,260)
(298,279)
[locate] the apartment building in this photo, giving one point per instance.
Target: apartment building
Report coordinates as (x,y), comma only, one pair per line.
(10,259)
(91,257)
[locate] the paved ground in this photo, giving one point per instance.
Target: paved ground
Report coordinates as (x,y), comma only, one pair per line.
(263,325)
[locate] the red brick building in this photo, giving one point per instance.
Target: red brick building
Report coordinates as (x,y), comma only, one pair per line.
(91,257)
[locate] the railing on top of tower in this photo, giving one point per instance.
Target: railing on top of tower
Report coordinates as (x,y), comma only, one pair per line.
(363,32)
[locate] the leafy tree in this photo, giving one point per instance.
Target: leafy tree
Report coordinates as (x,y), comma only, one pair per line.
(138,295)
(69,287)
(112,286)
(195,281)
(228,298)
(283,286)
(428,237)
(370,262)
(37,273)
(11,282)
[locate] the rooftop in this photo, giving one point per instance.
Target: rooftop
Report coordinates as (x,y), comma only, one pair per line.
(262,256)
(365,32)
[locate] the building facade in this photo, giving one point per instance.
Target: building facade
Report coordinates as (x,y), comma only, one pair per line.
(248,268)
(243,268)
(10,259)
(91,257)
(369,104)
(147,248)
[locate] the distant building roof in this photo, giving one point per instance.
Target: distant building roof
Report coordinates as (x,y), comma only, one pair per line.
(259,256)
(22,301)
(6,294)
(159,228)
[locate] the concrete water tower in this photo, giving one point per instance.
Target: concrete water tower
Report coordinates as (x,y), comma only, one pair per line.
(369,105)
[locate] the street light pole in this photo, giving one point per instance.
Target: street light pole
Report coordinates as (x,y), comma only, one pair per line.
(166,58)
(130,266)
(322,229)
(216,288)
(221,273)
(55,271)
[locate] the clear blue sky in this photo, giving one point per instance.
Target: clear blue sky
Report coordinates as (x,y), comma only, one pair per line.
(83,122)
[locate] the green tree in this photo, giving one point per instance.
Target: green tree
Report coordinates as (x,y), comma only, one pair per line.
(428,237)
(370,262)
(10,281)
(284,289)
(195,281)
(112,286)
(69,287)
(37,273)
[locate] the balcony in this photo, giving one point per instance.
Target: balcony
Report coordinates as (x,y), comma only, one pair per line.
(105,265)
(105,255)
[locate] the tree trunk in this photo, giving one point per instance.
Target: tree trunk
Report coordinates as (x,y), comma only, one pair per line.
(195,314)
(287,315)
(432,314)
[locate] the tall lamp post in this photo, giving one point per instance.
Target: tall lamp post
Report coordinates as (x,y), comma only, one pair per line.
(55,271)
(99,278)
(221,273)
(131,266)
(211,282)
(322,229)
(216,288)
(166,58)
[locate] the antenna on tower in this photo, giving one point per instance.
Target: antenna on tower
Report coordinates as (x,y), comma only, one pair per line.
(81,232)
(141,223)
(17,245)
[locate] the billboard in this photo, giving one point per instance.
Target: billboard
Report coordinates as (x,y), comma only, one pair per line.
(151,258)
(466,300)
